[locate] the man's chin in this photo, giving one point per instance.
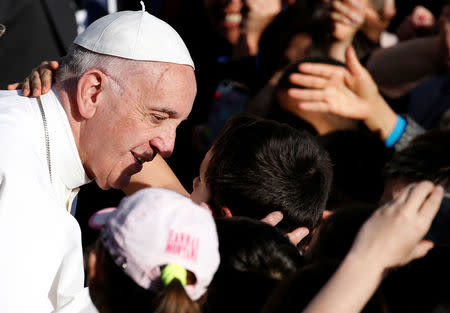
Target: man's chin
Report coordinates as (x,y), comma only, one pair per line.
(121,182)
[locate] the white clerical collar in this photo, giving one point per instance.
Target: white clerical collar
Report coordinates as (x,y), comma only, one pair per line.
(67,170)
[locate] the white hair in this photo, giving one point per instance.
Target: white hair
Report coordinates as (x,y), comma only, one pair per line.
(79,60)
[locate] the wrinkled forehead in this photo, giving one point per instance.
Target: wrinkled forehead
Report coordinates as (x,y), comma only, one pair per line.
(165,84)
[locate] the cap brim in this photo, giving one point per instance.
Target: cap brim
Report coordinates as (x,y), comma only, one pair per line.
(99,218)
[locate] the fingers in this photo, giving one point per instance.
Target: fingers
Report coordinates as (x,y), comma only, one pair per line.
(297,235)
(307,95)
(54,65)
(352,61)
(351,12)
(417,195)
(318,106)
(46,76)
(321,70)
(389,9)
(307,81)
(40,80)
(26,87)
(36,85)
(338,17)
(273,218)
(432,204)
(420,250)
(13,86)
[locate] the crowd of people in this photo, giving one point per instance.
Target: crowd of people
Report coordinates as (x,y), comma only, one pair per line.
(225,155)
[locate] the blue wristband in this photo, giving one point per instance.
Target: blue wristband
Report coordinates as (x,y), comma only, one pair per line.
(396,132)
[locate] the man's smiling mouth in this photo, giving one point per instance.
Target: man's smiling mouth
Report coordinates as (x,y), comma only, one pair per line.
(140,161)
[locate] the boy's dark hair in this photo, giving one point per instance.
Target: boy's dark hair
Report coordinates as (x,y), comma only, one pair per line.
(254,257)
(427,157)
(260,166)
(358,157)
(285,83)
(336,234)
(295,293)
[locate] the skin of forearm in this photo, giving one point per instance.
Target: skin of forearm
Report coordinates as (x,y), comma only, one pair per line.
(398,69)
(350,287)
(382,118)
(156,173)
(337,50)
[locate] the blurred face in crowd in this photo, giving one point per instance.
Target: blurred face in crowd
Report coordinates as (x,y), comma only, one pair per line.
(226,16)
(135,121)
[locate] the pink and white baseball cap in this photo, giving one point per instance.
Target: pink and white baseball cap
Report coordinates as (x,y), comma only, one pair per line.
(135,35)
(155,227)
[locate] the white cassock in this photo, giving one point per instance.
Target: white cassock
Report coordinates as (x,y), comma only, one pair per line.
(41,261)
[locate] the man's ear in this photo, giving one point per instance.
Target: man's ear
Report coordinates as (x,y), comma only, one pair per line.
(226,212)
(89,88)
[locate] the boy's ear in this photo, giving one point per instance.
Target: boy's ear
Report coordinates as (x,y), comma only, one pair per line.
(89,88)
(225,211)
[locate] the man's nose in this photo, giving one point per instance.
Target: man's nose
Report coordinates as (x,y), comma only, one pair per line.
(165,142)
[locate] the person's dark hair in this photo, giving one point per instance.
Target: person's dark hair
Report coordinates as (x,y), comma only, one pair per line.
(294,294)
(259,166)
(336,234)
(427,157)
(295,19)
(254,258)
(423,286)
(285,83)
(358,157)
(119,293)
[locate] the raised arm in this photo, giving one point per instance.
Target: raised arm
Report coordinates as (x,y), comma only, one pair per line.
(349,93)
(156,173)
(390,238)
(400,68)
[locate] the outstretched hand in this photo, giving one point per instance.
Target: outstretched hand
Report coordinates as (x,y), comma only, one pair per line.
(393,235)
(334,89)
(39,81)
(346,92)
(295,236)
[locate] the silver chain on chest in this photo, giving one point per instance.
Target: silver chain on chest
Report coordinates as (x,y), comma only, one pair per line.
(47,138)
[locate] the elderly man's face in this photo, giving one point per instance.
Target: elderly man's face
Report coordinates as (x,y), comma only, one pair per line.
(134,124)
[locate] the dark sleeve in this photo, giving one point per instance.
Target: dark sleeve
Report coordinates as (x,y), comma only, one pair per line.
(412,130)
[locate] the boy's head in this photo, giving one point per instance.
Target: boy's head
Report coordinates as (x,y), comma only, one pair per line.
(254,258)
(427,157)
(259,166)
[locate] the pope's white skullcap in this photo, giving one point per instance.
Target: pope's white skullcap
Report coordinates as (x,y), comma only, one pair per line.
(135,35)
